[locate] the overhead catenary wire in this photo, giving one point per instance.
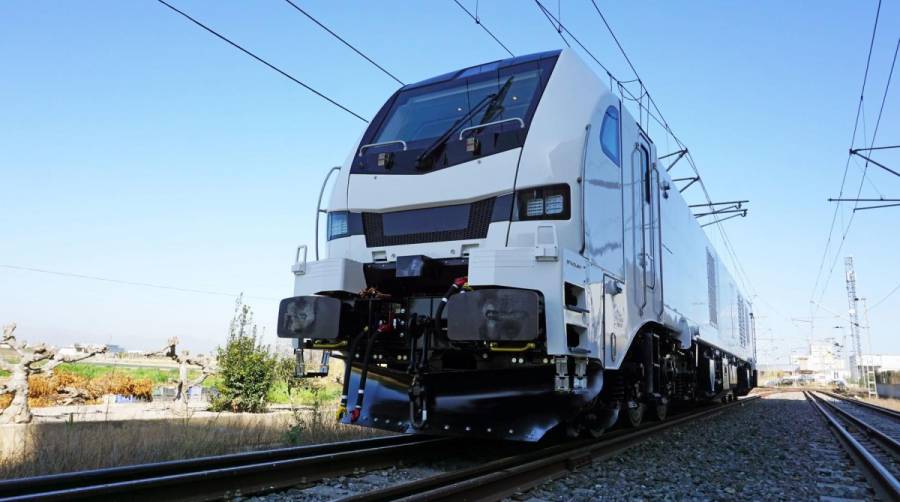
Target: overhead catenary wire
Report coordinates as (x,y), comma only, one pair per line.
(837,254)
(348,44)
(557,27)
(74,275)
(263,61)
(859,106)
(885,297)
(483,27)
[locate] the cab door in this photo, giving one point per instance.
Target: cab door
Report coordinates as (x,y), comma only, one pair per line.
(646,212)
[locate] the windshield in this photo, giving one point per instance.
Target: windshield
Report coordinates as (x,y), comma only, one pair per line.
(425,113)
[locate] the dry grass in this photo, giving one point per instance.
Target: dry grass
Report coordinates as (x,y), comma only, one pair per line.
(62,447)
(67,388)
(893,404)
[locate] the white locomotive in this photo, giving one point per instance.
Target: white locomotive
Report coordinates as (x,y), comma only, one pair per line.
(506,257)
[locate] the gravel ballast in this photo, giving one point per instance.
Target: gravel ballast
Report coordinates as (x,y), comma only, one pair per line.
(776,448)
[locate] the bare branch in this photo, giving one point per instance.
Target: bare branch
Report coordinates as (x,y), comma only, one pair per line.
(10,339)
(56,359)
(8,331)
(167,351)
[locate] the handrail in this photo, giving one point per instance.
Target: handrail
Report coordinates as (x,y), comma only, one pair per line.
(319,209)
(495,347)
(584,153)
(479,126)
(336,345)
(383,143)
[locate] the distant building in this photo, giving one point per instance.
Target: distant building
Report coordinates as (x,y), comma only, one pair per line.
(115,349)
(880,362)
(824,361)
(77,349)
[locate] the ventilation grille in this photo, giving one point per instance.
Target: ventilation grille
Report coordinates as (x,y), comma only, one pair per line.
(713,289)
(742,322)
(477,228)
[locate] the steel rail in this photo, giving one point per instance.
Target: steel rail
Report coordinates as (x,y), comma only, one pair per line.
(216,477)
(886,442)
(882,481)
(506,476)
(874,407)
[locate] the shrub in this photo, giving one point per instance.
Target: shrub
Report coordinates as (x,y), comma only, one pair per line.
(246,369)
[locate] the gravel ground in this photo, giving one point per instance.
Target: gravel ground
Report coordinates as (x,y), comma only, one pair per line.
(884,423)
(893,404)
(777,448)
(344,486)
(889,426)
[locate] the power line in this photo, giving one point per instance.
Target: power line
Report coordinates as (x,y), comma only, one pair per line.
(558,28)
(879,302)
(348,44)
(130,283)
(887,88)
(859,106)
(483,27)
(263,61)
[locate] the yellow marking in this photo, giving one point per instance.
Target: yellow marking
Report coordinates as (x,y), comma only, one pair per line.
(495,347)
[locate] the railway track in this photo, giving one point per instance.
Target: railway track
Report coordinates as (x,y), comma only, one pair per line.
(509,475)
(874,447)
(226,476)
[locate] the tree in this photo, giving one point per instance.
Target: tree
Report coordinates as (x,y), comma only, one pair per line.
(246,367)
(32,360)
(185,361)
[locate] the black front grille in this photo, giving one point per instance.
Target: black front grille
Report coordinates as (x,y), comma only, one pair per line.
(477,228)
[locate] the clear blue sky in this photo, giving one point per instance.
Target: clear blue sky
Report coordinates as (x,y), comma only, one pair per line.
(135,146)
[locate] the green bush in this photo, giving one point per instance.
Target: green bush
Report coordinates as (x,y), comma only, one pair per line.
(289,389)
(246,369)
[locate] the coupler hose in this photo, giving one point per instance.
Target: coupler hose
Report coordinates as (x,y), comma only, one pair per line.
(411,329)
(348,363)
(364,374)
(456,287)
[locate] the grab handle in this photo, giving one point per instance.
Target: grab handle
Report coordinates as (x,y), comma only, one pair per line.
(479,126)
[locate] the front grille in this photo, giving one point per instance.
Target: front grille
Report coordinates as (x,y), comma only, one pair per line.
(477,228)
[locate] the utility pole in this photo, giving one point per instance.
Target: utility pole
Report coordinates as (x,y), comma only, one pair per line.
(871,381)
(852,301)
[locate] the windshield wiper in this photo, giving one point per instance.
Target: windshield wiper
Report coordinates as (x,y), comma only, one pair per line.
(492,101)
(495,107)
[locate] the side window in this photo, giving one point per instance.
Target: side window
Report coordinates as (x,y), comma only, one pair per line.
(609,134)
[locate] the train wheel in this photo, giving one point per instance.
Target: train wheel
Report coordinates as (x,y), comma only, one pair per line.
(632,414)
(661,410)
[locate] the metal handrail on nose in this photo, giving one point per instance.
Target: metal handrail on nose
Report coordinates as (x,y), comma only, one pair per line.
(319,209)
(383,143)
(479,126)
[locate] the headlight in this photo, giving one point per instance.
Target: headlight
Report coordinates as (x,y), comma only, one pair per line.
(543,203)
(494,314)
(338,224)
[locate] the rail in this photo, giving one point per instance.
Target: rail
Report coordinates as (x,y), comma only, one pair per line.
(880,478)
(210,478)
(874,407)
